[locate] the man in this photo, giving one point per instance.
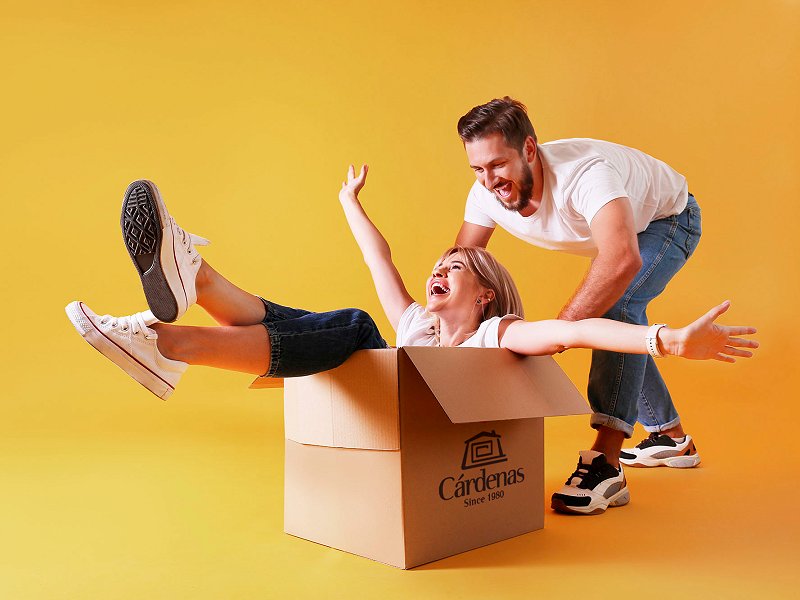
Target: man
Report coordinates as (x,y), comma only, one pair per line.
(633,215)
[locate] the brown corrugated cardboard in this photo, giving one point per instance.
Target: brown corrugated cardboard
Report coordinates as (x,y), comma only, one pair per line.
(347,499)
(328,409)
(520,387)
(409,455)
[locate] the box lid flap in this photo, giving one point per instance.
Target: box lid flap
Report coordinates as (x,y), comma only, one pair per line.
(354,405)
(266,382)
(491,384)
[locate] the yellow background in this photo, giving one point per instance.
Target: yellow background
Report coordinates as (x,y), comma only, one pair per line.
(246,114)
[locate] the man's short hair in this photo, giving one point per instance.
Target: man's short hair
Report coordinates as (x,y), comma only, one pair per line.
(501,115)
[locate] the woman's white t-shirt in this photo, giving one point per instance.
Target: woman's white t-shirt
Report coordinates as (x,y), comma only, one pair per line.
(418,328)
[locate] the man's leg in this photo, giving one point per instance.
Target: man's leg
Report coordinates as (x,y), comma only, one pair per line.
(598,481)
(656,410)
(616,380)
(620,383)
(668,443)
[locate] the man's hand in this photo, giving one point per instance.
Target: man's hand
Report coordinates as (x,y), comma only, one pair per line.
(353,185)
(614,267)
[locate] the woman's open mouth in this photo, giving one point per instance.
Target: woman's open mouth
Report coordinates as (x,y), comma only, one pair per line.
(438,289)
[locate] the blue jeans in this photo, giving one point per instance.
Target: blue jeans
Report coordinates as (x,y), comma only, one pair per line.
(304,342)
(627,387)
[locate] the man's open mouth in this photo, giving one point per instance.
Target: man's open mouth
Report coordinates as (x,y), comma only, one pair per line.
(503,190)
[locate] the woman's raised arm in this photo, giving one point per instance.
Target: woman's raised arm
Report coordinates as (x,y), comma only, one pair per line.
(701,340)
(392,292)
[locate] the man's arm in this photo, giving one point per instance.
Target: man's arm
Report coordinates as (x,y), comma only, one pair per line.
(614,267)
(471,234)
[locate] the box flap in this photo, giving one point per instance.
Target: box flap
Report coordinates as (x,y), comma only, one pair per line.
(266,382)
(491,384)
(354,405)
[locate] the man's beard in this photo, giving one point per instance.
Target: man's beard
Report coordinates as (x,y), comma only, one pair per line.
(525,193)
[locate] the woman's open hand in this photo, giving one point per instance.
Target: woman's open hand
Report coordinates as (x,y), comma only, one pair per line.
(353,185)
(704,339)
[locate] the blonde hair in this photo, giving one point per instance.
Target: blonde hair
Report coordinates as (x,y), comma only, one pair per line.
(491,275)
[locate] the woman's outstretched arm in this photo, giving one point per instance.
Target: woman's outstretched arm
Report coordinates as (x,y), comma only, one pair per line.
(392,292)
(701,340)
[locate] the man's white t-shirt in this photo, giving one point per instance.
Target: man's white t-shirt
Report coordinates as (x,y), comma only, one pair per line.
(417,328)
(580,177)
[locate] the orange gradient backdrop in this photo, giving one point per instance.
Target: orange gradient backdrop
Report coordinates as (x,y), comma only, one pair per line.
(247,114)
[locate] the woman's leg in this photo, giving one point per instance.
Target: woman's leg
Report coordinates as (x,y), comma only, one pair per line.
(242,342)
(173,274)
(304,345)
(224,301)
(157,354)
(244,348)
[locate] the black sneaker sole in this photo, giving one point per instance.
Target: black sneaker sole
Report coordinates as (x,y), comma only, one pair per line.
(558,502)
(141,224)
(560,506)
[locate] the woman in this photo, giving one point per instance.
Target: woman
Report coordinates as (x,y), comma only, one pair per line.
(471,301)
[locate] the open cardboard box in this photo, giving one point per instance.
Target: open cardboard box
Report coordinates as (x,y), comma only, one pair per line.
(412,454)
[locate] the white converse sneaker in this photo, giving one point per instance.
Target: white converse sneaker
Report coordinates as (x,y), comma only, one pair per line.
(130,344)
(163,253)
(660,450)
(592,488)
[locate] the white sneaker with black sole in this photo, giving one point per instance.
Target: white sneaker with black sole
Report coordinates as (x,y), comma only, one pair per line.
(130,344)
(592,488)
(660,450)
(164,254)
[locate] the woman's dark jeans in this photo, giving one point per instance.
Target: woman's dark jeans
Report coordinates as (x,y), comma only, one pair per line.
(304,342)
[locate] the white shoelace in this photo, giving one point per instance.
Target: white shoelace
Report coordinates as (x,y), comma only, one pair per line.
(134,322)
(189,240)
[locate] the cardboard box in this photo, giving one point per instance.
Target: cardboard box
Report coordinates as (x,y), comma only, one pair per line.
(409,455)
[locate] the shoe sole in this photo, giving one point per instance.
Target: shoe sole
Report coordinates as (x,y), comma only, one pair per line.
(108,348)
(144,221)
(621,498)
(682,461)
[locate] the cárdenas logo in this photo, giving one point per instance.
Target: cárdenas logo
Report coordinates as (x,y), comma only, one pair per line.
(481,487)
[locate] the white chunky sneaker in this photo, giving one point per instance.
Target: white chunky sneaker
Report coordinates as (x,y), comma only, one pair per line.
(130,344)
(592,488)
(660,450)
(164,254)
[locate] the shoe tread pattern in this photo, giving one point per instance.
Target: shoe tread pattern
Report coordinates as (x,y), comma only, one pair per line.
(141,231)
(140,225)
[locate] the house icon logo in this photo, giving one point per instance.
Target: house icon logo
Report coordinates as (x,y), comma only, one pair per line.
(483,449)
